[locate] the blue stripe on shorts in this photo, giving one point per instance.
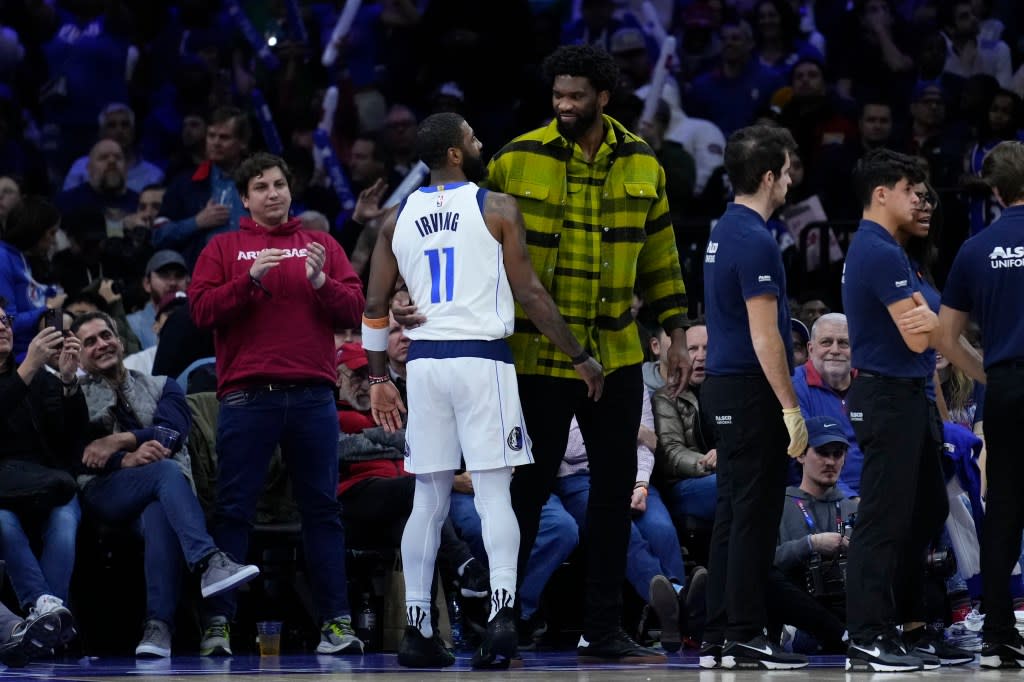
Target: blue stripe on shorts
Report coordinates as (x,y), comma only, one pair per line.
(496,349)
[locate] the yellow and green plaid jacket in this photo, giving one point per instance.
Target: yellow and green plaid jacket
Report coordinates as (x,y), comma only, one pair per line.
(593,232)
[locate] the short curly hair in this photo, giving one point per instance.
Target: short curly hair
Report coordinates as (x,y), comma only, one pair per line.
(587,61)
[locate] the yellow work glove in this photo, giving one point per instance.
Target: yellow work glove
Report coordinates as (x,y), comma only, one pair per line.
(797,431)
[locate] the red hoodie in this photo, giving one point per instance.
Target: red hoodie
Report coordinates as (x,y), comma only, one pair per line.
(286,335)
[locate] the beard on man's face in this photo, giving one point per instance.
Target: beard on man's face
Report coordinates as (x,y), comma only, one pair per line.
(574,131)
(474,168)
(112,181)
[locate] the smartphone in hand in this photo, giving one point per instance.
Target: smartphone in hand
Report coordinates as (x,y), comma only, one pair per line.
(54,317)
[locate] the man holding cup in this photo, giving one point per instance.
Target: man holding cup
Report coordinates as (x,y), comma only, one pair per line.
(136,458)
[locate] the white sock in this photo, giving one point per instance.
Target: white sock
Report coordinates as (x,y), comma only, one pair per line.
(419,617)
(499,600)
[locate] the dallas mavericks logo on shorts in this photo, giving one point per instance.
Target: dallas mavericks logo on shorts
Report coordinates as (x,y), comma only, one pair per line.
(515,438)
(408,452)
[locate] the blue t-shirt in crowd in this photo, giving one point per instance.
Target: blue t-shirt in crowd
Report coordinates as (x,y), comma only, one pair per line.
(934,299)
(877,274)
(86,63)
(742,261)
(733,102)
(987,280)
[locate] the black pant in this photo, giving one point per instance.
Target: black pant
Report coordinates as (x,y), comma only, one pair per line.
(1004,510)
(913,583)
(609,428)
(792,604)
(752,464)
(903,501)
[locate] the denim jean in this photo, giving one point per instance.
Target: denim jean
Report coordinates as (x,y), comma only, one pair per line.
(304,421)
(158,502)
(50,572)
(557,537)
(653,543)
(695,497)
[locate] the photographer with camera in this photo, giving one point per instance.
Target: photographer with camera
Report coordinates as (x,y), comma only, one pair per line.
(814,539)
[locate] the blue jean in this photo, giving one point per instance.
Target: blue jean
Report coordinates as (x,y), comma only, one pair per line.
(557,537)
(694,497)
(653,543)
(158,502)
(50,572)
(304,421)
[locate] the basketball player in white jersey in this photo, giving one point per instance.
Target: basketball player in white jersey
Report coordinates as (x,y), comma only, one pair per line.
(461,250)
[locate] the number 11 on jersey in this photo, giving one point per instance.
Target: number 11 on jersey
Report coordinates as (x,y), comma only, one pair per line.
(434,260)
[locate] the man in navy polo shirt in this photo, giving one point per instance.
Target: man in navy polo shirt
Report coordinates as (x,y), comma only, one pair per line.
(889,323)
(987,281)
(749,368)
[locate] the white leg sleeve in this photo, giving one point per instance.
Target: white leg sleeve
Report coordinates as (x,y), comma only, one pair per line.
(420,540)
(500,532)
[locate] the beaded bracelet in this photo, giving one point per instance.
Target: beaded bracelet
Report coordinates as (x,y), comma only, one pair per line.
(379,380)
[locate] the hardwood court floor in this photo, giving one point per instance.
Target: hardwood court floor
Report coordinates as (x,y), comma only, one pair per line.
(559,666)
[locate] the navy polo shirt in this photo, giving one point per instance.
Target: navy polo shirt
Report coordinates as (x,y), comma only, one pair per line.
(987,280)
(742,261)
(877,274)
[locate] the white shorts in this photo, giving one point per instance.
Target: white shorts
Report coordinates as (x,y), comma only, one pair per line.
(464,408)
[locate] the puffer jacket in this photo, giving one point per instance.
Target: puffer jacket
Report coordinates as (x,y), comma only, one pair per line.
(681,442)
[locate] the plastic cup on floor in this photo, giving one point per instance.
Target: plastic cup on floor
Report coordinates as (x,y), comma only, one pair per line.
(268,635)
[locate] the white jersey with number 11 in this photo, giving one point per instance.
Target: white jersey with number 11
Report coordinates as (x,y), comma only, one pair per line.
(452,265)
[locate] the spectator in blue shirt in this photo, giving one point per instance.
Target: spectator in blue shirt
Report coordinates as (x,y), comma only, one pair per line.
(202,204)
(106,189)
(117,122)
(735,92)
(822,384)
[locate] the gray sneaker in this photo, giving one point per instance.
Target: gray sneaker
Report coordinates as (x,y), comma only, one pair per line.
(338,637)
(216,638)
(47,604)
(223,574)
(156,640)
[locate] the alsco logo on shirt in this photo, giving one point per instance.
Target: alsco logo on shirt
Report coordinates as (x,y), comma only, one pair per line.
(710,253)
(1006,257)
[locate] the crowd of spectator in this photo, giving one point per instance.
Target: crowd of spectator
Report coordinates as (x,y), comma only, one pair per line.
(123,126)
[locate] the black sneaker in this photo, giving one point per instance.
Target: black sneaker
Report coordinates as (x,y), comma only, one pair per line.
(1003,655)
(664,601)
(760,654)
(931,642)
(531,631)
(883,654)
(474,581)
(616,647)
(710,655)
(694,612)
(417,651)
(498,650)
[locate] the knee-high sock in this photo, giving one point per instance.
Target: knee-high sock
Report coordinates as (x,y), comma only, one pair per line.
(420,542)
(500,532)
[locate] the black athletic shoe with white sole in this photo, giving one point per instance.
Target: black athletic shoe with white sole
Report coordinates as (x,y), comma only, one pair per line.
(710,655)
(760,654)
(883,654)
(930,641)
(1003,655)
